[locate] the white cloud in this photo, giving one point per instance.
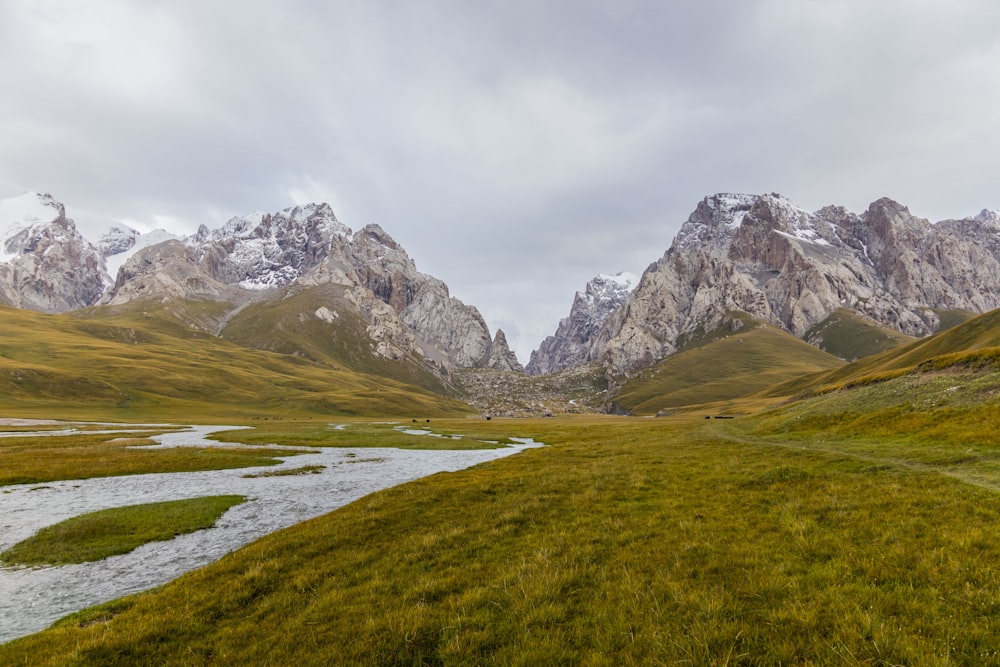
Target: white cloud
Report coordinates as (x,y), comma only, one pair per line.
(503,144)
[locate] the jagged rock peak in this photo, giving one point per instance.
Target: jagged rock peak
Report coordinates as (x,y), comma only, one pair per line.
(263,250)
(45,263)
(291,221)
(569,345)
(501,357)
(989,217)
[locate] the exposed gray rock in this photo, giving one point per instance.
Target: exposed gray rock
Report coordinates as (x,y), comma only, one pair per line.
(570,343)
(764,256)
(440,322)
(501,357)
(167,270)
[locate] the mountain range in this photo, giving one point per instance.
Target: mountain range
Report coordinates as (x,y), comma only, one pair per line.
(299,282)
(252,260)
(801,272)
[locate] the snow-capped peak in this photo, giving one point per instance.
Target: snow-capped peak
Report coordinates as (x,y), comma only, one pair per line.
(18,215)
(988,216)
(623,279)
(28,209)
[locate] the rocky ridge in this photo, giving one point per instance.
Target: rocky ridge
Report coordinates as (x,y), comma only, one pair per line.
(764,256)
(47,265)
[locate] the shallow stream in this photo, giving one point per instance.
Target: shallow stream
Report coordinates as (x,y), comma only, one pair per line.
(32,598)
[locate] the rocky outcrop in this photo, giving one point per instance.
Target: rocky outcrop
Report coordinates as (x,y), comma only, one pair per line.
(501,357)
(45,263)
(167,270)
(569,345)
(764,256)
(440,322)
(390,337)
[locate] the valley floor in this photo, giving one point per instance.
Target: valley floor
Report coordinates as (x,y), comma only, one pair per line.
(765,540)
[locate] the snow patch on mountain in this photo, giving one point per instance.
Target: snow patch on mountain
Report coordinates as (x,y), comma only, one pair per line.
(18,215)
(121,242)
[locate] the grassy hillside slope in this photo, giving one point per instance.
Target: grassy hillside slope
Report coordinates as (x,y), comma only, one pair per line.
(978,333)
(149,366)
(290,326)
(722,366)
(846,335)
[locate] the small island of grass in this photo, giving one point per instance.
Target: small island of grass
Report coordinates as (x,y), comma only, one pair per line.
(96,535)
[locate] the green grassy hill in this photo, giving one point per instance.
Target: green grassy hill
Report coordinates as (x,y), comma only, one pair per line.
(978,333)
(151,365)
(289,326)
(722,365)
(846,335)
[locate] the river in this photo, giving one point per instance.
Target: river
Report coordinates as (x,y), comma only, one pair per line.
(32,598)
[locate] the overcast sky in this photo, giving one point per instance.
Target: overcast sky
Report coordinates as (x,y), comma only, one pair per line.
(514,148)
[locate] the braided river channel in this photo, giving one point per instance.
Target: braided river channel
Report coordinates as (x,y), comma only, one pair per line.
(31,598)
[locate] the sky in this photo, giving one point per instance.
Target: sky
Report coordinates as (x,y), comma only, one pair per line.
(514,148)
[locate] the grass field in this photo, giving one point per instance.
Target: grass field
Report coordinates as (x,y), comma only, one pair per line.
(625,541)
(144,363)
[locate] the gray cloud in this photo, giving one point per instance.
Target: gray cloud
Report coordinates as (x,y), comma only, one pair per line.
(515,149)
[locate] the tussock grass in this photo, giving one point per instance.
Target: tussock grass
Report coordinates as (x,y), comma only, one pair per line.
(626,541)
(110,532)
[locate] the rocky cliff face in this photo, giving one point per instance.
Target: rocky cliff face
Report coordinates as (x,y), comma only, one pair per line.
(569,345)
(167,270)
(437,319)
(792,268)
(45,264)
